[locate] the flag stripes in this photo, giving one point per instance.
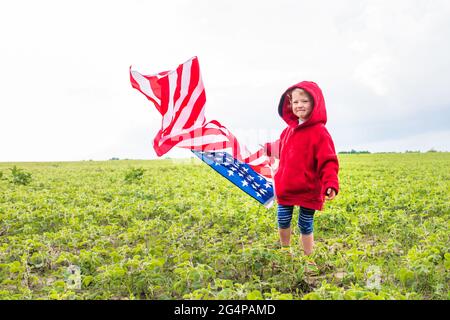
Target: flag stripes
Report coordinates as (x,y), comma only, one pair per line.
(179,96)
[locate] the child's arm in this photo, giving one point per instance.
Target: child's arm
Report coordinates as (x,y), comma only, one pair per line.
(273,149)
(328,165)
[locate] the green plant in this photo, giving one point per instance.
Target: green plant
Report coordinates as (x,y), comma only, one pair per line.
(134,174)
(182,234)
(19,176)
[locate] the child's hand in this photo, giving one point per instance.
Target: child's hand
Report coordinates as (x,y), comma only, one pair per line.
(330,194)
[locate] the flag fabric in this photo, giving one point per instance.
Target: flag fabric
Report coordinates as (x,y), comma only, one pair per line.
(240,174)
(179,96)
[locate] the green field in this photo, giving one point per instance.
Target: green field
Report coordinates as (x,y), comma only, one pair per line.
(177,230)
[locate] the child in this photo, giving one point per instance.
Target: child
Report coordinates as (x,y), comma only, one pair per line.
(308,169)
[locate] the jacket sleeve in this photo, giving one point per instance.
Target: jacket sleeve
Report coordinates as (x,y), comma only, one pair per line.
(327,163)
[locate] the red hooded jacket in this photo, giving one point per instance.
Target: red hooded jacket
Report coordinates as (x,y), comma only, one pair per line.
(308,163)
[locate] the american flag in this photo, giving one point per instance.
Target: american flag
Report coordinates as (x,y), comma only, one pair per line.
(240,174)
(179,95)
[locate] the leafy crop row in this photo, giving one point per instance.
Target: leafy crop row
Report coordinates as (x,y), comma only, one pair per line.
(167,230)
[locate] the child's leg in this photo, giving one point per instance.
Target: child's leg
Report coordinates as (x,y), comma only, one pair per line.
(284,214)
(308,243)
(285,236)
(305,223)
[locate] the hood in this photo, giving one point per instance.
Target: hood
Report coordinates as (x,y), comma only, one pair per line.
(319,112)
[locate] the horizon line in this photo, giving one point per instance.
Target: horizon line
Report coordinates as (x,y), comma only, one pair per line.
(355,152)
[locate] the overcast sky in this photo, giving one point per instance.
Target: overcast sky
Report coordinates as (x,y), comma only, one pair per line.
(65,92)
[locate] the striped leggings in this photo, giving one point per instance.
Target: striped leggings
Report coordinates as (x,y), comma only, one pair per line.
(305,218)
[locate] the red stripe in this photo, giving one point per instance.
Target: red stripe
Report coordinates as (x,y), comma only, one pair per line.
(176,94)
(164,85)
(254,156)
(264,171)
(154,85)
(194,80)
(199,104)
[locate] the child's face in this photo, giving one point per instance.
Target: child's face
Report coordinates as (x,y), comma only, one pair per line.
(301,104)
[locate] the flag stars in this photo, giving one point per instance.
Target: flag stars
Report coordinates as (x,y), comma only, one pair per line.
(251,182)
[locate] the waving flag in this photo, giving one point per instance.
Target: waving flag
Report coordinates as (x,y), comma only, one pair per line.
(179,95)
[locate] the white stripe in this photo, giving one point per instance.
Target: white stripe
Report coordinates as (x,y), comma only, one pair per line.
(244,152)
(144,85)
(201,118)
(185,81)
(269,203)
(184,131)
(190,130)
(210,125)
(200,141)
(258,161)
(187,110)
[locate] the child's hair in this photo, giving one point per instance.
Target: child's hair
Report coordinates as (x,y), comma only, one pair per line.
(302,92)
